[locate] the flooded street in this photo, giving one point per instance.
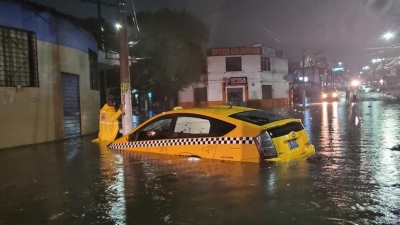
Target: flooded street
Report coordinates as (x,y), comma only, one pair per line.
(353,179)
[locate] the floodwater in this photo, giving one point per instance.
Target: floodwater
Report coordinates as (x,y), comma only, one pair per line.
(353,179)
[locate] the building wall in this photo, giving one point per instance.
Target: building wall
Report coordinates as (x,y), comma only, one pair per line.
(280,65)
(251,63)
(35,114)
(216,64)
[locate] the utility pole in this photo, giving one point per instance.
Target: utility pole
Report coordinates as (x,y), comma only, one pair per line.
(126,92)
(303,93)
(99,9)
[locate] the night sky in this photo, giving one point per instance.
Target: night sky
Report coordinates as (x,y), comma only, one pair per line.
(339,29)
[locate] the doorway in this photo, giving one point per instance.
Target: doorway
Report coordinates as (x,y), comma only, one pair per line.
(235,94)
(71,106)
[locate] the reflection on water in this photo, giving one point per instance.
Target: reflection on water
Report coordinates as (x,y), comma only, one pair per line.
(112,173)
(353,180)
(177,191)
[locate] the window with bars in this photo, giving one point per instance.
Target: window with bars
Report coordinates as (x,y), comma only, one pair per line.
(94,71)
(18,58)
(265,64)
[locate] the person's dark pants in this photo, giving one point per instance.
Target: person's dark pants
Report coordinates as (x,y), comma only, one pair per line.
(354,98)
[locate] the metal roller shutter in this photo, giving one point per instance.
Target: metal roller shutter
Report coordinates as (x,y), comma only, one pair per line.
(71,105)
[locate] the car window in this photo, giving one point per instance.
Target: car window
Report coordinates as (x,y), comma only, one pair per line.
(156,130)
(192,127)
(257,117)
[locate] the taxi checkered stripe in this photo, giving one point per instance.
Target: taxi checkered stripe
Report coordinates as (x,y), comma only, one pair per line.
(184,141)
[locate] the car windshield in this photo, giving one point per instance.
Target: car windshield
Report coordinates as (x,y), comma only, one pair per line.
(328,89)
(257,117)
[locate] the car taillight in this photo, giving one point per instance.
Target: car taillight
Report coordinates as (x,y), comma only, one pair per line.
(265,146)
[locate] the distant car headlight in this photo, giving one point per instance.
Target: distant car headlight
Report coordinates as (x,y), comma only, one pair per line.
(324,96)
(334,95)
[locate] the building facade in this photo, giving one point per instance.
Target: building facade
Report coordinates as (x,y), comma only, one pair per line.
(49,85)
(249,76)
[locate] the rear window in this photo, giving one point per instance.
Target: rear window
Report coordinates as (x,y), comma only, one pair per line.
(257,117)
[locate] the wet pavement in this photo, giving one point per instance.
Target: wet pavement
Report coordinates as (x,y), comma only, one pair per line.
(353,179)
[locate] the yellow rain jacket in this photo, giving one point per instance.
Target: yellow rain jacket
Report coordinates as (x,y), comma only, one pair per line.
(108,128)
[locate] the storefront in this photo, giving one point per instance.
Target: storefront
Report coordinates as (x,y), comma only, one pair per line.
(235,90)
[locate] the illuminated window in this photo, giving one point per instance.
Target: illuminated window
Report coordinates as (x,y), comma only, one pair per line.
(305,79)
(18,58)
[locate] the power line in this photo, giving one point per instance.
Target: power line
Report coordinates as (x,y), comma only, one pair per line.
(231,4)
(266,29)
(222,7)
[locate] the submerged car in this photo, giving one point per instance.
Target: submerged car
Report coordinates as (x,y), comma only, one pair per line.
(329,94)
(229,133)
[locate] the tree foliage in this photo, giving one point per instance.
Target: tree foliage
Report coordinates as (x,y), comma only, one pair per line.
(170,51)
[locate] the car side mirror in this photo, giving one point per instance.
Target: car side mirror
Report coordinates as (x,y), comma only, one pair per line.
(132,137)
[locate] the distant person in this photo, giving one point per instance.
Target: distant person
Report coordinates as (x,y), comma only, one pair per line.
(108,121)
(354,95)
(347,95)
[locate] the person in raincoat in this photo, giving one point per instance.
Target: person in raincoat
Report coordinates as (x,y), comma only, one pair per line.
(108,121)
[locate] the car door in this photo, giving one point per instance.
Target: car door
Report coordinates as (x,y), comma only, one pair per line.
(191,133)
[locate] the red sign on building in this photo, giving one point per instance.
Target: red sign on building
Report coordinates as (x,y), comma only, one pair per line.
(234,51)
(237,80)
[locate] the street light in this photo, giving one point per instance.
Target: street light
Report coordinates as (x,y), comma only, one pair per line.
(118,26)
(355,83)
(340,63)
(388,35)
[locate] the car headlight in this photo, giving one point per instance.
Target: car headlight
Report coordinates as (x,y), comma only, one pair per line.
(334,95)
(324,95)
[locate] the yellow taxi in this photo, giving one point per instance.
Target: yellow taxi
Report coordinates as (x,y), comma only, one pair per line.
(229,133)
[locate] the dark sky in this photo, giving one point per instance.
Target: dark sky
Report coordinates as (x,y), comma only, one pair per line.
(339,29)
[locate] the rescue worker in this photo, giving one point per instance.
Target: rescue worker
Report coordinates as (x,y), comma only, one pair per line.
(108,121)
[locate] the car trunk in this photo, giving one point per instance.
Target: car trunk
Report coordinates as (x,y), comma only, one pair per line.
(289,139)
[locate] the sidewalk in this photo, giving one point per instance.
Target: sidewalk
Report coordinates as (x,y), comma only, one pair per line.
(395,92)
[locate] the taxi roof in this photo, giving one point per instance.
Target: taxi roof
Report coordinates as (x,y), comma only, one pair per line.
(223,110)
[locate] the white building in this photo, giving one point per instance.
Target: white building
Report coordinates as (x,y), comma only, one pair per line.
(252,76)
